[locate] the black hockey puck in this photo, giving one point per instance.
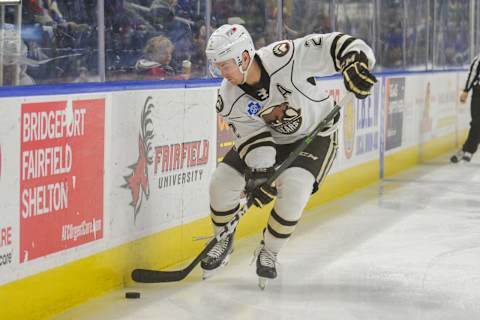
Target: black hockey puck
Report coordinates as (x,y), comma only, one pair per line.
(132,295)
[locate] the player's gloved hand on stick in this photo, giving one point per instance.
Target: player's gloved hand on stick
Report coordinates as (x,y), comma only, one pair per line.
(257,191)
(356,75)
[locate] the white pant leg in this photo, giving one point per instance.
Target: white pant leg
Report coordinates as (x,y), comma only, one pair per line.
(294,189)
(225,188)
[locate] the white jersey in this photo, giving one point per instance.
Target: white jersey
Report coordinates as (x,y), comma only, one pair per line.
(288,87)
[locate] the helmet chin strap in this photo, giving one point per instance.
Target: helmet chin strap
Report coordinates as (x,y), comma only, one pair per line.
(245,73)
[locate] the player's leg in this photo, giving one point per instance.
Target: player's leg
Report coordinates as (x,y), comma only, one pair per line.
(473,139)
(471,145)
(474,134)
(458,156)
(294,187)
(225,187)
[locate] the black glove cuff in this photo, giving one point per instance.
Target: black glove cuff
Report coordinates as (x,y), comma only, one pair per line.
(353,57)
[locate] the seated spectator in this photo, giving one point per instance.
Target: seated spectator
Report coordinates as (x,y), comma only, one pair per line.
(49,34)
(9,76)
(156,62)
(13,58)
(177,29)
(47,13)
(199,68)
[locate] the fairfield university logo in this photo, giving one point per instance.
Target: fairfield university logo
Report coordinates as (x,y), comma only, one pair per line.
(174,164)
(137,181)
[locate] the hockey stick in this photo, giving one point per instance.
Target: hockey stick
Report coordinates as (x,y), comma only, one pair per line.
(154,276)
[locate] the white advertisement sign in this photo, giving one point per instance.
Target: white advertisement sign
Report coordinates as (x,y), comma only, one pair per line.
(9,186)
(361,130)
(163,153)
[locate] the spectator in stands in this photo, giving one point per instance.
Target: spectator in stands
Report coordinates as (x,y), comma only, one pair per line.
(392,46)
(156,62)
(15,62)
(199,67)
(46,12)
(177,29)
(9,76)
(50,34)
(306,16)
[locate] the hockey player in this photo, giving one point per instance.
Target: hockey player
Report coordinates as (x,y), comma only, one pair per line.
(471,144)
(270,100)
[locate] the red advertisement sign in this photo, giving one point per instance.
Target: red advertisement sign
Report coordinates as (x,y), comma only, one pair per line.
(61,175)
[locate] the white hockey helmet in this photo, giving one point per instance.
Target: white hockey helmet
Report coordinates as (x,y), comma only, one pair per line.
(229,42)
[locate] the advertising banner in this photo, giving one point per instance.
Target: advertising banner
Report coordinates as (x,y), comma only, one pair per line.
(336,90)
(163,154)
(443,101)
(122,165)
(61,175)
(394,109)
(361,129)
(225,138)
(9,150)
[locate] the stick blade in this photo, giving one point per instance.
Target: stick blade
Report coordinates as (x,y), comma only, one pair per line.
(155,276)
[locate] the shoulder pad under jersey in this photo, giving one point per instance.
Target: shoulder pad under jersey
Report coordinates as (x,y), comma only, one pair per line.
(228,95)
(276,55)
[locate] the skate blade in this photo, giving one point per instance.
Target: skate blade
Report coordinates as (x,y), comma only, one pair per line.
(210,273)
(262,283)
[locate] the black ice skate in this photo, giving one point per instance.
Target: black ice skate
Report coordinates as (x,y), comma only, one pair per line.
(461,156)
(457,157)
(218,257)
(467,156)
(266,261)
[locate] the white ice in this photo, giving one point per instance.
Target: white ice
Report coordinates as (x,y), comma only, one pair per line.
(405,248)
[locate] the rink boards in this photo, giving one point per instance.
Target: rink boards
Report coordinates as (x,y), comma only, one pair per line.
(95,184)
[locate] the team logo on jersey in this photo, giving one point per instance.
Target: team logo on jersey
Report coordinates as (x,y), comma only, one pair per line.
(219,104)
(281,49)
(253,108)
(282,118)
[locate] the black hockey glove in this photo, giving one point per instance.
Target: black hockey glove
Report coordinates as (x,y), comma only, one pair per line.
(356,76)
(258,193)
